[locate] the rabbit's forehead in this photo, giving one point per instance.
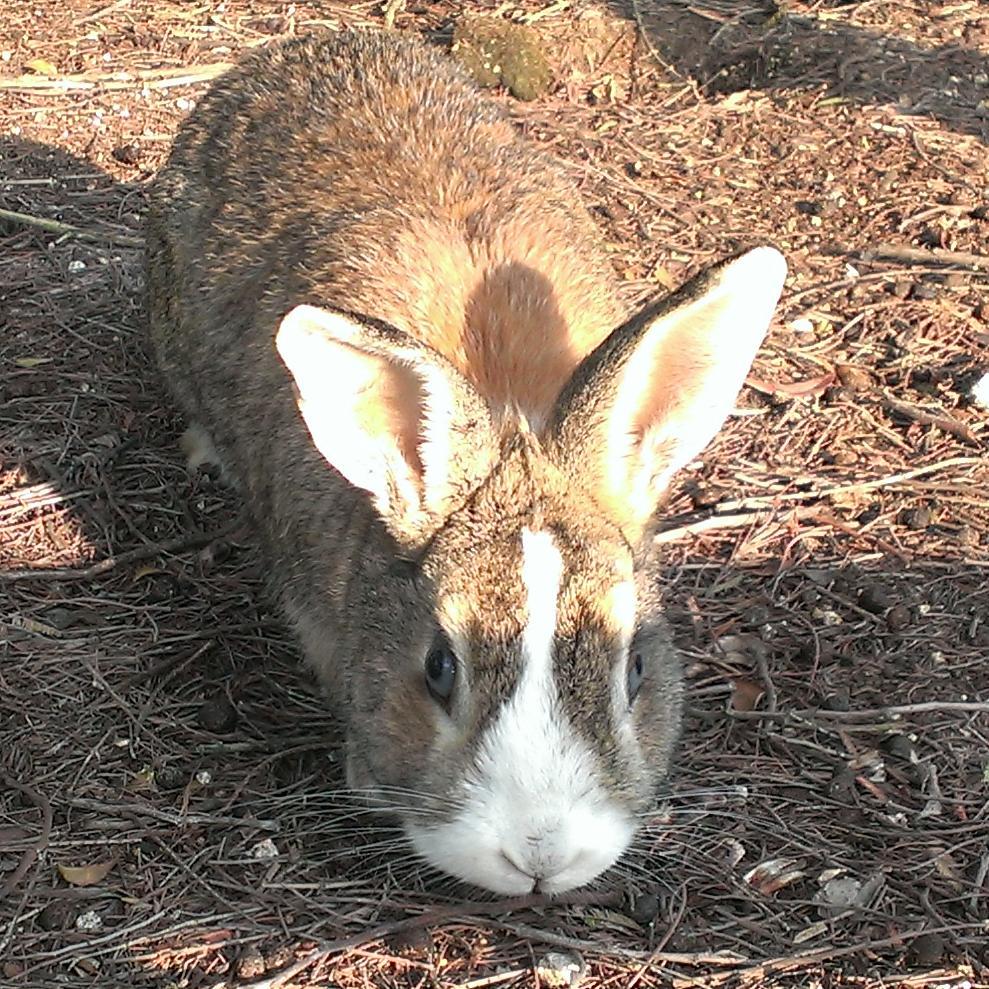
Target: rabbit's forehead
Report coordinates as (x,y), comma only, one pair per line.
(538,578)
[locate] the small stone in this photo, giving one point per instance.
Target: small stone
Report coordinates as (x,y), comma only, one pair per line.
(264,849)
(844,458)
(11,970)
(756,616)
(90,921)
(644,908)
(56,916)
(558,969)
(898,746)
(918,518)
(902,289)
(898,618)
(217,714)
(251,963)
(495,51)
(855,378)
(415,940)
(127,154)
(927,949)
(822,651)
(925,290)
(170,778)
(704,495)
(837,701)
(873,598)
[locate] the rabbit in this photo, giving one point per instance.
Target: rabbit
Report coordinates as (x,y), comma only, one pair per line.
(394,322)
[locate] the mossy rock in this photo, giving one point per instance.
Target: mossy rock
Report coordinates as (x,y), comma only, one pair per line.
(497,52)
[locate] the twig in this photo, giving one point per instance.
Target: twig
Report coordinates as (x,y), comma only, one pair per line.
(894,712)
(880,482)
(145,79)
(944,422)
(27,859)
(67,230)
(97,569)
(920,255)
(173,817)
(728,522)
(391,9)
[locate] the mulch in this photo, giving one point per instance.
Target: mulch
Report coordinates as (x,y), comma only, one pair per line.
(167,770)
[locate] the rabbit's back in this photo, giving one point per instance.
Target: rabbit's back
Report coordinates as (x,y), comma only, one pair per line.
(364,171)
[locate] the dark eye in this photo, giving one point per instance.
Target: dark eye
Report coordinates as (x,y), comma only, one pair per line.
(636,668)
(441,672)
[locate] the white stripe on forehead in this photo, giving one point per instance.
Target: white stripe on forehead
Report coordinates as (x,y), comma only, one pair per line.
(530,753)
(542,573)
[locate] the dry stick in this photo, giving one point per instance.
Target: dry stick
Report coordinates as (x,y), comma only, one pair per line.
(894,712)
(111,562)
(881,482)
(67,230)
(391,10)
(920,255)
(943,421)
(146,79)
(729,522)
(27,859)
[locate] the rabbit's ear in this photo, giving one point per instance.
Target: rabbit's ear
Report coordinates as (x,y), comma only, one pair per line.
(391,415)
(654,393)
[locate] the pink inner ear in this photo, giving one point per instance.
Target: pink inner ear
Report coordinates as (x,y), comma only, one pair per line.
(391,405)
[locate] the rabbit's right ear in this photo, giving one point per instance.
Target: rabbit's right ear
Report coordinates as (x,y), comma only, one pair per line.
(649,398)
(391,415)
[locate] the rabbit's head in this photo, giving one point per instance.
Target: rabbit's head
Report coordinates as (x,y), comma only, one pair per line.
(514,696)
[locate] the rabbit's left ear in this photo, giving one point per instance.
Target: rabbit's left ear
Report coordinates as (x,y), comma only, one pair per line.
(649,398)
(389,414)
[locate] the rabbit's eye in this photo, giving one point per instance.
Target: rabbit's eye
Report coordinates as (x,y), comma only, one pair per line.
(636,668)
(441,672)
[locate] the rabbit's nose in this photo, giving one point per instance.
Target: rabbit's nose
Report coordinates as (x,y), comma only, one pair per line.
(542,858)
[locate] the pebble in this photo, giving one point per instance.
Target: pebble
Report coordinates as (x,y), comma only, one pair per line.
(89,921)
(644,908)
(251,964)
(56,916)
(927,950)
(898,618)
(918,518)
(217,714)
(558,969)
(855,378)
(873,598)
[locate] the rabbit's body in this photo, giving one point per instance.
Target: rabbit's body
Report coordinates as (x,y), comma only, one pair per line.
(451,496)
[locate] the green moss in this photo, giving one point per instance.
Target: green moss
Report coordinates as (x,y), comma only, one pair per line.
(498,52)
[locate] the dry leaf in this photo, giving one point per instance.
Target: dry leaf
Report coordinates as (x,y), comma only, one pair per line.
(772,875)
(86,875)
(794,389)
(41,66)
(32,361)
(146,571)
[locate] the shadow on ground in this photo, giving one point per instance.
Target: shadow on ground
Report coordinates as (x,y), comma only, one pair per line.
(754,44)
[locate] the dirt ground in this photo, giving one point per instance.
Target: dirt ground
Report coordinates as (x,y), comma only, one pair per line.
(167,815)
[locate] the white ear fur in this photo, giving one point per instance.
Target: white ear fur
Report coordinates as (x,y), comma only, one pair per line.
(664,387)
(378,411)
